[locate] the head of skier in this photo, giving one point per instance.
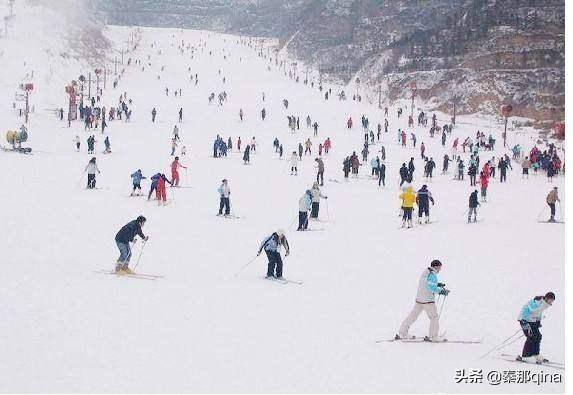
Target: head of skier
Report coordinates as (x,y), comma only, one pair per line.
(549,298)
(141,220)
(436,265)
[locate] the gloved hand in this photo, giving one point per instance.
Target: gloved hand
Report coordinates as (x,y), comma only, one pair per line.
(526,328)
(134,241)
(444,292)
(287,253)
(146,238)
(258,253)
(441,285)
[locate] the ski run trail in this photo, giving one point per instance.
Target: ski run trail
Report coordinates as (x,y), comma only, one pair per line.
(199,328)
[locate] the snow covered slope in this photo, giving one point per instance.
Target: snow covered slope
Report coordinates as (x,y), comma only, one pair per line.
(203,329)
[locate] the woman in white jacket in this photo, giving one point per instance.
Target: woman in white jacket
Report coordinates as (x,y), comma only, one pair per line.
(92,168)
(294,163)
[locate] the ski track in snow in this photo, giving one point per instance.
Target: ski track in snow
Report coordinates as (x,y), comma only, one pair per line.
(200,329)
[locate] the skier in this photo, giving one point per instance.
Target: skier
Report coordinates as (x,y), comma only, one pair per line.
(403,174)
(247,155)
(175,165)
(473,204)
(272,246)
(447,161)
(428,287)
(320,173)
(411,169)
(304,206)
(153,114)
(161,192)
(307,146)
(530,321)
(125,236)
(77,141)
(381,173)
(316,195)
(423,200)
(91,169)
(526,165)
(327,145)
(136,180)
(154,181)
(224,193)
(408,198)
(176,133)
(551,199)
(181,115)
(484,182)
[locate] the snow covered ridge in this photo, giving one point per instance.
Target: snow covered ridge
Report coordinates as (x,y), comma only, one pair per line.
(461,46)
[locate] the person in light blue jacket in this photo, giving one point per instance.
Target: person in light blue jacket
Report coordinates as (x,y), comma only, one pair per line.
(272,246)
(530,321)
(428,287)
(136,179)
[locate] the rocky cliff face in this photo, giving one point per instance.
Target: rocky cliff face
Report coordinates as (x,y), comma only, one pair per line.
(478,53)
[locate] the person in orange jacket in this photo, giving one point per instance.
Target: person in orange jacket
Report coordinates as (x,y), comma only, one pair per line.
(484,182)
(175,171)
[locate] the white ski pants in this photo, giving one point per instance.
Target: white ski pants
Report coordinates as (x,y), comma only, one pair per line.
(431,311)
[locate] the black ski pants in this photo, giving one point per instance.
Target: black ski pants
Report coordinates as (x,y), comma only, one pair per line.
(532,340)
(275,262)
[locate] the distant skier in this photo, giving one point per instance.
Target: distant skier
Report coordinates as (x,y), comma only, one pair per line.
(224,194)
(381,173)
(91,169)
(551,199)
(484,182)
(423,199)
(530,321)
(77,141)
(316,196)
(304,206)
(125,236)
(294,159)
(175,165)
(320,172)
(161,192)
(136,180)
(153,114)
(272,246)
(247,155)
(428,287)
(473,204)
(154,181)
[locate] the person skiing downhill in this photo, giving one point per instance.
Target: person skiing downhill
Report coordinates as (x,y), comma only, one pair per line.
(408,198)
(551,199)
(304,206)
(530,321)
(224,194)
(136,179)
(428,287)
(272,246)
(320,171)
(175,171)
(294,159)
(91,169)
(316,195)
(423,199)
(154,185)
(473,204)
(484,182)
(125,236)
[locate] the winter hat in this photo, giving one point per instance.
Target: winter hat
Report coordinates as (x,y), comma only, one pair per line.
(435,263)
(141,219)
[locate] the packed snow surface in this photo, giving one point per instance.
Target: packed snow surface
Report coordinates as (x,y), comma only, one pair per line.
(67,328)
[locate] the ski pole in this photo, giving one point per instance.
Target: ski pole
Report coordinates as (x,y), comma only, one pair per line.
(327,213)
(292,223)
(541,213)
(561,212)
(245,265)
(442,307)
(502,344)
(140,253)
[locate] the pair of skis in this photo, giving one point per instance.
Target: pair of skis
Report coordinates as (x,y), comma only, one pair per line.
(441,340)
(516,358)
(283,280)
(141,276)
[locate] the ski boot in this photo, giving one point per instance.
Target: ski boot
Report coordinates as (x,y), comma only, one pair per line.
(119,268)
(127,270)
